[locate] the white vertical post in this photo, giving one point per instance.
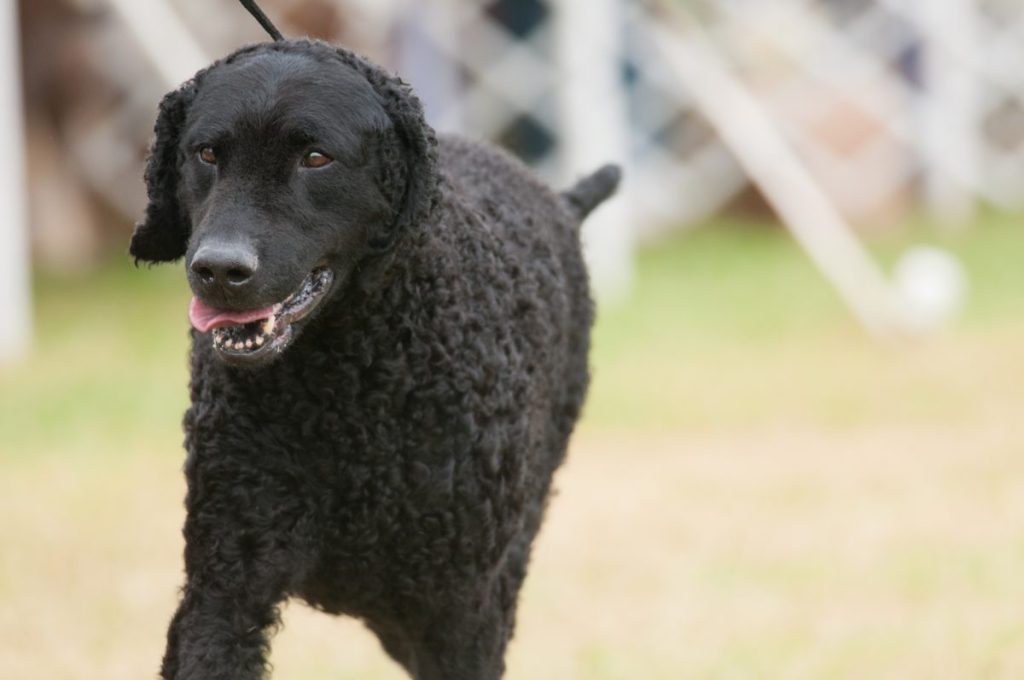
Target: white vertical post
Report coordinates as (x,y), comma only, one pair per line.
(420,26)
(594,128)
(15,298)
(950,108)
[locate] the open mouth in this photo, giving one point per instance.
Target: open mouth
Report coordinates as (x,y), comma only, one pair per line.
(251,335)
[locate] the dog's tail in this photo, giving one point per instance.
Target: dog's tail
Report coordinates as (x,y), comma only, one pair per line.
(590,191)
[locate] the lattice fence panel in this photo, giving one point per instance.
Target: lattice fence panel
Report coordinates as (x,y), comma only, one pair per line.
(847,81)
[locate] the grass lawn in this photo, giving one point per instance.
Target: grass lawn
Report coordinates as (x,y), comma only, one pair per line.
(756,491)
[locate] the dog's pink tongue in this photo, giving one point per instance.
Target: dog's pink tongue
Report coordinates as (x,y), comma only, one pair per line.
(205,317)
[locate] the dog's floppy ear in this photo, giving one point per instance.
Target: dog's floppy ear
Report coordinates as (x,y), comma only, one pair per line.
(409,173)
(162,235)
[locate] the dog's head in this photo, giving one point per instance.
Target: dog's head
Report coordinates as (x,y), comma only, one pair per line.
(275,173)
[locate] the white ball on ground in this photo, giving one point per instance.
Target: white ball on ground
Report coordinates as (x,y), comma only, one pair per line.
(933,287)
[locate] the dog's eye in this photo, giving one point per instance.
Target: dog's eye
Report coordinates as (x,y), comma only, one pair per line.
(208,155)
(315,159)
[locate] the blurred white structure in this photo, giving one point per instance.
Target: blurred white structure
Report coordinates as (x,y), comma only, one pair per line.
(595,130)
(15,316)
(884,104)
(744,127)
(161,35)
(951,107)
(933,287)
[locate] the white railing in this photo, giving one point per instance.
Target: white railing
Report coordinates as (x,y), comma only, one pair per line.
(15,315)
(906,100)
(899,103)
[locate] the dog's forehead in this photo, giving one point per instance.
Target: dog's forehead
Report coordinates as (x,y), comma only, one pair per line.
(276,86)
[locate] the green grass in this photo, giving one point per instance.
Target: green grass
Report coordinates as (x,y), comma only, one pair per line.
(727,326)
(732,326)
(108,363)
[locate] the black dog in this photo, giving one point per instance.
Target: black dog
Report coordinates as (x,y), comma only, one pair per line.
(389,354)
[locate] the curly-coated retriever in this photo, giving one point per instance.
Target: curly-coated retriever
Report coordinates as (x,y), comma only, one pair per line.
(389,353)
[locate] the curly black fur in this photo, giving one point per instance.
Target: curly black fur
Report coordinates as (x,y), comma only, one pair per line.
(394,462)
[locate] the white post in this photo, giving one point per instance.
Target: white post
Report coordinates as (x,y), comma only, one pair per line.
(594,129)
(949,108)
(420,26)
(748,131)
(164,38)
(15,297)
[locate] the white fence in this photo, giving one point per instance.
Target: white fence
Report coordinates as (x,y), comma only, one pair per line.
(887,104)
(886,101)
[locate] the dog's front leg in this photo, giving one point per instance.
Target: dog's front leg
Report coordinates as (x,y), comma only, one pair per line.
(218,636)
(228,610)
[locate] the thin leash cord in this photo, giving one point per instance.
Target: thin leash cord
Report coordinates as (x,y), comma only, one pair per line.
(266,23)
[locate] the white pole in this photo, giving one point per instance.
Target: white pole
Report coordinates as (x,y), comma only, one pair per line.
(747,130)
(15,287)
(421,26)
(950,108)
(164,38)
(594,129)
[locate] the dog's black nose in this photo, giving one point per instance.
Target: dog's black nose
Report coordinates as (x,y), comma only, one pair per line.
(227,266)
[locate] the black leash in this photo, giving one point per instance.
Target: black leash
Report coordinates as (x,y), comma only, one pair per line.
(266,23)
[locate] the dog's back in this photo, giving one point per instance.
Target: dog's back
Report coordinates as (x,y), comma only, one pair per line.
(537,230)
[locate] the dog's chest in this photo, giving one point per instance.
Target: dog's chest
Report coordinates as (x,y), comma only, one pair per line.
(358,440)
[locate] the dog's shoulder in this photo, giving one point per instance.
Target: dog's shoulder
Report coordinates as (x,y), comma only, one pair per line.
(473,164)
(497,185)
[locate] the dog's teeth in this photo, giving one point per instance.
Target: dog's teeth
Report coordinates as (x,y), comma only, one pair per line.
(225,338)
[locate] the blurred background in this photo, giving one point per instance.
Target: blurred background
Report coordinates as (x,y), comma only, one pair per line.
(801,456)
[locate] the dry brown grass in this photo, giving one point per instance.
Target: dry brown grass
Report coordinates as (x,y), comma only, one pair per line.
(888,552)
